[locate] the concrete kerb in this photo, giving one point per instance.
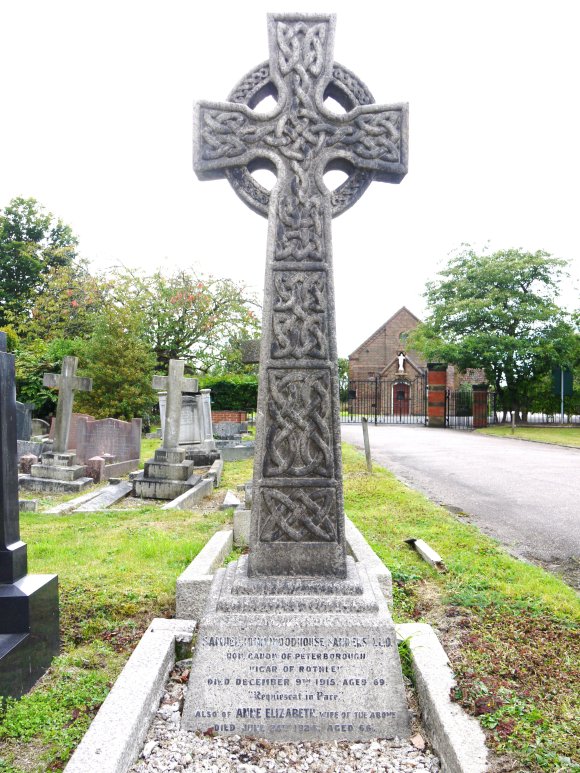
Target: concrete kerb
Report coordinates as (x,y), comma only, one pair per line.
(115,738)
(456,737)
(193,585)
(188,499)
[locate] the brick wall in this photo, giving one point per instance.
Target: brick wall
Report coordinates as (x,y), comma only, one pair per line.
(238,416)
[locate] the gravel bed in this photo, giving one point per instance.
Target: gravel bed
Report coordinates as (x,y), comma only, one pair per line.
(167,748)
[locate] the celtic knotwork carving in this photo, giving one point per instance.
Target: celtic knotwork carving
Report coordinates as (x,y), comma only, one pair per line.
(299,442)
(299,306)
(301,47)
(258,82)
(298,515)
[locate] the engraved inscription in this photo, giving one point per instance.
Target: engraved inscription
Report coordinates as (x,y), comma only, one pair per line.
(299,416)
(313,686)
(298,515)
(299,326)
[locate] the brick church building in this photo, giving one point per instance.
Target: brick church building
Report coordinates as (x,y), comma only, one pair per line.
(385,358)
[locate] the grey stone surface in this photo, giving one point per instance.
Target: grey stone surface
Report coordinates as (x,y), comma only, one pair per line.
(190,420)
(57,472)
(237,451)
(24,420)
(230,500)
(297,516)
(27,505)
(325,669)
(175,385)
(72,504)
(457,738)
(361,551)
(229,429)
(39,427)
(116,735)
(191,496)
(242,520)
(216,471)
(107,497)
(193,585)
(67,382)
(35,447)
(250,351)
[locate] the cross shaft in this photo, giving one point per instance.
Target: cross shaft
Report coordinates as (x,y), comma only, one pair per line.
(175,383)
(67,382)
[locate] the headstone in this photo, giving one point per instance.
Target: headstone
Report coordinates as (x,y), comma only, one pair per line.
(40,427)
(75,420)
(29,636)
(190,430)
(167,475)
(110,438)
(58,470)
(24,420)
(297,642)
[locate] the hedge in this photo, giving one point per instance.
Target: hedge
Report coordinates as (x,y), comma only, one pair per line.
(232,392)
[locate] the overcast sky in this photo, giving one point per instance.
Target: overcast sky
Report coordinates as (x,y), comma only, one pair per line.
(96,123)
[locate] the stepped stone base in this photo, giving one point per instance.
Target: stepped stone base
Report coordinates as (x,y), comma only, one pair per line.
(325,666)
(167,476)
(56,473)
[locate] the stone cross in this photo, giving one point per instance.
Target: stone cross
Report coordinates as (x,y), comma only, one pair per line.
(297,524)
(175,383)
(67,382)
(13,560)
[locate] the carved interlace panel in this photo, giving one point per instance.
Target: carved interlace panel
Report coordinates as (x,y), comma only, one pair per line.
(299,442)
(298,515)
(298,496)
(300,329)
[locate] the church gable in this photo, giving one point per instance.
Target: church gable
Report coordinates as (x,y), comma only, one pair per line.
(379,351)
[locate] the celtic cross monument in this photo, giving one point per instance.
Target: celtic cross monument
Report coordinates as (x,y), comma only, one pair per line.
(297,525)
(296,641)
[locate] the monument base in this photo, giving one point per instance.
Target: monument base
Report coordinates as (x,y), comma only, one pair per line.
(56,473)
(167,476)
(29,635)
(297,659)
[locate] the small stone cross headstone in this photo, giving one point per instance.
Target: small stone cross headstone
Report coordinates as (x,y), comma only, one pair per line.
(67,382)
(176,384)
(296,618)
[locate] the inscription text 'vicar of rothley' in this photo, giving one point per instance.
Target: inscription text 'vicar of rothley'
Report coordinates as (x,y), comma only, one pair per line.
(297,525)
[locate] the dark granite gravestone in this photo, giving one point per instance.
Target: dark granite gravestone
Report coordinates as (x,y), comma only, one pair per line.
(28,603)
(24,420)
(297,642)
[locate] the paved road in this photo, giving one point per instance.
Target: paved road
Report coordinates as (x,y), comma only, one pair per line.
(527,495)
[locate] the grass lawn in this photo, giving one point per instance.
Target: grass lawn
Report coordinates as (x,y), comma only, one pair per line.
(510,629)
(563,436)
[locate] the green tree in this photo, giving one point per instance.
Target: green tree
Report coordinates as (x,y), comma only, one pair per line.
(498,312)
(199,319)
(34,358)
(120,361)
(32,242)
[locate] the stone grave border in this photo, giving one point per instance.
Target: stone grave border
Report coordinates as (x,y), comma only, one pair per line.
(115,738)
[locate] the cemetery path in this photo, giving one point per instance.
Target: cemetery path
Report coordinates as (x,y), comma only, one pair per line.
(526,495)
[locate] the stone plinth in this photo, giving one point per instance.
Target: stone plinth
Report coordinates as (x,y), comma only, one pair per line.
(167,476)
(57,472)
(297,659)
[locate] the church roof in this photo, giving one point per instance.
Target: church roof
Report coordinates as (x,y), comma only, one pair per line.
(382,327)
